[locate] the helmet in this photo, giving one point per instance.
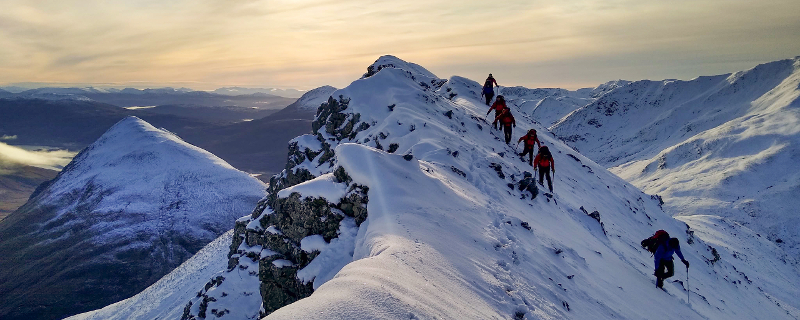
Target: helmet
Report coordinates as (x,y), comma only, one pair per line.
(490,75)
(531,131)
(501,98)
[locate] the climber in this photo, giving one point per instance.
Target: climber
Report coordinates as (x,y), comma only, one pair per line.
(507,120)
(498,107)
(663,259)
(530,139)
(544,163)
(488,88)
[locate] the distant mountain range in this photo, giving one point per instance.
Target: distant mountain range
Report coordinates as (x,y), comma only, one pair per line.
(248,145)
(234,91)
(130,97)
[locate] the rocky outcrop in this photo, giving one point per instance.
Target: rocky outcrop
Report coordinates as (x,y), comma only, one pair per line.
(271,237)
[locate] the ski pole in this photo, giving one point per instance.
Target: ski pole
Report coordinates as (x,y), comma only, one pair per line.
(688,289)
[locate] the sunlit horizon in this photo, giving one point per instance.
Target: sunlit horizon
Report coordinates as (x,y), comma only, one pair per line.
(208,44)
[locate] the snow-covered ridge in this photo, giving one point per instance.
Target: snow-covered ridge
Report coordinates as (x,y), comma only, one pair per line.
(439,220)
(313,98)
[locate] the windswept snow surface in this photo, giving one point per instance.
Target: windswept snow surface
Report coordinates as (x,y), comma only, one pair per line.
(166,298)
(449,234)
(445,237)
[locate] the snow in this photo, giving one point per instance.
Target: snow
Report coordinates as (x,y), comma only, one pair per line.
(325,186)
(313,242)
(333,256)
(723,145)
(166,298)
(439,244)
(313,98)
(446,238)
(270,229)
(281,263)
(722,152)
(149,171)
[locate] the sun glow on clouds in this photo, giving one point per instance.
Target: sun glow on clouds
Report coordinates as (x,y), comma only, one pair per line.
(304,44)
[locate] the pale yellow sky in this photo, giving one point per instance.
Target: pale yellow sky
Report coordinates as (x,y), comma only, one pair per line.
(205,44)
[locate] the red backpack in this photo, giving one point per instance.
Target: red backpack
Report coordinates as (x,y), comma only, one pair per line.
(651,244)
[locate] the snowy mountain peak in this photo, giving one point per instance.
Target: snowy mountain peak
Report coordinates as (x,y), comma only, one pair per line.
(125,211)
(389,61)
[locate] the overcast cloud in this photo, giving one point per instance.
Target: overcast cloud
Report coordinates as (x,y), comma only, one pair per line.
(303,44)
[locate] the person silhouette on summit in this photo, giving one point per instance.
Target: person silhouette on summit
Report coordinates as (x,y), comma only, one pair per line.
(488,88)
(506,119)
(530,140)
(544,163)
(498,107)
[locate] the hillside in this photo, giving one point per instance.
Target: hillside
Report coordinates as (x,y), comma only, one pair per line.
(17,182)
(404,204)
(126,211)
(723,146)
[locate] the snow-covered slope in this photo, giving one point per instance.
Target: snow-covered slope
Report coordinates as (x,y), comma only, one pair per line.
(546,106)
(404,204)
(723,145)
(313,98)
(127,210)
(165,298)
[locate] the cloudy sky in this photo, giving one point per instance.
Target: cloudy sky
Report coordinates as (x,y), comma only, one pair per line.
(204,44)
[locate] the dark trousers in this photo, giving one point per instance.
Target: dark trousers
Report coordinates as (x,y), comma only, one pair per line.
(528,150)
(545,171)
(489,97)
(507,132)
(665,264)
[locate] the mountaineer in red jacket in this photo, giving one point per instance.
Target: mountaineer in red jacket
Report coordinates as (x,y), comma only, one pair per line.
(530,140)
(544,163)
(507,120)
(498,106)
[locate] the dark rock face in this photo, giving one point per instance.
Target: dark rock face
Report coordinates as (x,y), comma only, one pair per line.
(279,224)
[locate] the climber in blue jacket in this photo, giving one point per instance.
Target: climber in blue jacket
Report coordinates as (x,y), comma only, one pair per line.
(663,259)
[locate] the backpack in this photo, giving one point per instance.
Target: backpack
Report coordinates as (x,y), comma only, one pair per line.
(651,244)
(530,138)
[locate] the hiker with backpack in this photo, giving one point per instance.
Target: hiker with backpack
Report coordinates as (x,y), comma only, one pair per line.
(506,119)
(663,247)
(498,107)
(530,140)
(488,88)
(544,163)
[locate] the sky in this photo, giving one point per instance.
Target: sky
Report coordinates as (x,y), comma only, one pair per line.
(303,44)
